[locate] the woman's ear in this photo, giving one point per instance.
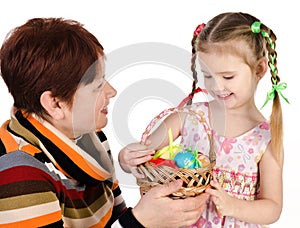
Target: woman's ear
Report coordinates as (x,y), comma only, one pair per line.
(52,105)
(261,67)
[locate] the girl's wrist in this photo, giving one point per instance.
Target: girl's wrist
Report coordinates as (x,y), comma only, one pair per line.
(234,207)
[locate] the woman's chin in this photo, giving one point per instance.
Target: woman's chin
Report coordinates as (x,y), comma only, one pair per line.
(101,123)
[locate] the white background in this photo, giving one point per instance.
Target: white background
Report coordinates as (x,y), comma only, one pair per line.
(120,23)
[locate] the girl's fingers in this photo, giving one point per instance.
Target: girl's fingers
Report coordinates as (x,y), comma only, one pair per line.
(140,160)
(139,154)
(215,184)
(137,147)
(136,173)
(148,142)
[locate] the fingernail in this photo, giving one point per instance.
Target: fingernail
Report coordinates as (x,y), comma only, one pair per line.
(178,183)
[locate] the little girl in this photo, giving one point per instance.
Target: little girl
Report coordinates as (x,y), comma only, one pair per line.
(235,51)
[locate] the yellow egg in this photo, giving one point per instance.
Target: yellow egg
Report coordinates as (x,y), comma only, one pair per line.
(168,152)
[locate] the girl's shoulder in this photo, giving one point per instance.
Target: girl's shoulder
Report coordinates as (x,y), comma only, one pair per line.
(200,106)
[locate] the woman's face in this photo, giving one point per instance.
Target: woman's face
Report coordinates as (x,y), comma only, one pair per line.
(89,110)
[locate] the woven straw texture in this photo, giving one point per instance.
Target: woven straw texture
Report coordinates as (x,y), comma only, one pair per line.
(195,181)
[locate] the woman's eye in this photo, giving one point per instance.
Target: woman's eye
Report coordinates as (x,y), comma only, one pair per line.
(207,76)
(98,88)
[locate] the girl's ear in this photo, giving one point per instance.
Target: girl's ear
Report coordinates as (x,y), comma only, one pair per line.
(261,67)
(52,105)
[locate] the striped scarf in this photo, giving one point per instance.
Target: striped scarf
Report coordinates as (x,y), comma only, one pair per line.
(81,161)
(88,161)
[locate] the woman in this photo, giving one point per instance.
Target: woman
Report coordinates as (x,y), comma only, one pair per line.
(55,166)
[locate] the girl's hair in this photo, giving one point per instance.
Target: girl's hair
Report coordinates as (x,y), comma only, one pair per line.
(47,54)
(237,27)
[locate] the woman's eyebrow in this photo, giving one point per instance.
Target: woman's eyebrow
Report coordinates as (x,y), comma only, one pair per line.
(102,80)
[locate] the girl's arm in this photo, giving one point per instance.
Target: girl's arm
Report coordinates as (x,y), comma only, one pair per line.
(267,208)
(138,153)
(160,138)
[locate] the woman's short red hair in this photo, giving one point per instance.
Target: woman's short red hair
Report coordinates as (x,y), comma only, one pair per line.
(47,54)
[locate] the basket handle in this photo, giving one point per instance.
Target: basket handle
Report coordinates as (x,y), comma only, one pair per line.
(212,155)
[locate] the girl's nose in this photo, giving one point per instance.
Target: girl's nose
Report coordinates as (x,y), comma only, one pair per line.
(218,84)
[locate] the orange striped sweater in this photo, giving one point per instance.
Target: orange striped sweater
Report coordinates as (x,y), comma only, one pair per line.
(49,180)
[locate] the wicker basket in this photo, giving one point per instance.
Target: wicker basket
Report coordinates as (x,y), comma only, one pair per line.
(195,181)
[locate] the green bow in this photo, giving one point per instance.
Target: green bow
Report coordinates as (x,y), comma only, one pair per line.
(195,159)
(172,149)
(278,88)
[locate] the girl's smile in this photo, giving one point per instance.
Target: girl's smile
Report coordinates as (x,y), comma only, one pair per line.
(224,96)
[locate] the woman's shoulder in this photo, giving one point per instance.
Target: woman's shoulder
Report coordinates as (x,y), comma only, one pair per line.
(20,160)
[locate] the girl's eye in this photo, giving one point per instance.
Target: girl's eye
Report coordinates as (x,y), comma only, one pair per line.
(228,77)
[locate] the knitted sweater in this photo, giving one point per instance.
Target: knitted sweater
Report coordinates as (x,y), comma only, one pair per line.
(49,180)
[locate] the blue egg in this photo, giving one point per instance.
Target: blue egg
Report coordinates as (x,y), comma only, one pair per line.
(183,158)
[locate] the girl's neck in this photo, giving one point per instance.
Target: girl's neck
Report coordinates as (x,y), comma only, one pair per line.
(233,122)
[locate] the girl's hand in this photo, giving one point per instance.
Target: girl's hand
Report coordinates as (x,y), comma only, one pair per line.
(133,155)
(223,202)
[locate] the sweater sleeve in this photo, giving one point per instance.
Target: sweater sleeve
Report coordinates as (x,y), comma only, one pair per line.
(27,196)
(121,215)
(127,220)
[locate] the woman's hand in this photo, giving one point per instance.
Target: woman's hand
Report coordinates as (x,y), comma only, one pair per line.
(156,209)
(133,155)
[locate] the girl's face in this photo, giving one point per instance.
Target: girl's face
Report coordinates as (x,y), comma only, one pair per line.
(228,79)
(89,110)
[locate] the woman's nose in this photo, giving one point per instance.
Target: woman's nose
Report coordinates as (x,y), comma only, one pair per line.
(110,91)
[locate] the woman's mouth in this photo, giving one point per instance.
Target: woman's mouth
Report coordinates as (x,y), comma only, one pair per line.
(104,110)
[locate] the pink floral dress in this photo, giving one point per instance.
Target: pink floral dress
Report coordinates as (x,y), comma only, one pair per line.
(236,166)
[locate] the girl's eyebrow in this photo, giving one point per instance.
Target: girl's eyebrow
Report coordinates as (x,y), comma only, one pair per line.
(219,73)
(204,72)
(225,72)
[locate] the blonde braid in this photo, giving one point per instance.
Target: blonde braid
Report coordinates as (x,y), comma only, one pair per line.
(193,69)
(276,120)
(197,32)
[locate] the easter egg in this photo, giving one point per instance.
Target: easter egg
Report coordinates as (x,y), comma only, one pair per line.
(163,153)
(203,159)
(185,159)
(168,152)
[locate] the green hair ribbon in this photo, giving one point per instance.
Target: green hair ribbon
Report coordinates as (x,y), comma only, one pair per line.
(255,28)
(278,88)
